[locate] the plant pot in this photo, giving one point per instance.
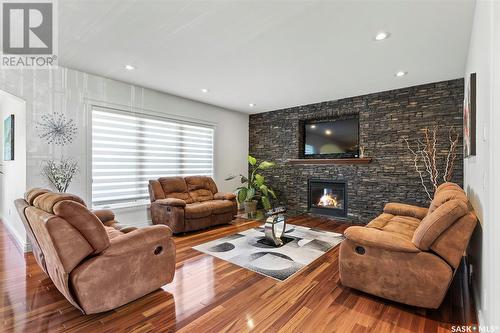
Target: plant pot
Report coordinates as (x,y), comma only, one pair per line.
(250,206)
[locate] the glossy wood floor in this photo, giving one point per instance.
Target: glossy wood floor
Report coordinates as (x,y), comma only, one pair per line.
(212,295)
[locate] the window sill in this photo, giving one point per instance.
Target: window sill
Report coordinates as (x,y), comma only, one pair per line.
(124,206)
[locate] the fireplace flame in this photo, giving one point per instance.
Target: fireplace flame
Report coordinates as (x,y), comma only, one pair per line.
(328,200)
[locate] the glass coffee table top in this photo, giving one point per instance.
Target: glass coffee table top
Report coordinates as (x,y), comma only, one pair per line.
(258,215)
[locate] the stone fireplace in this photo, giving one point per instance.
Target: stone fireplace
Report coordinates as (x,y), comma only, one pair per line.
(385,119)
(327,197)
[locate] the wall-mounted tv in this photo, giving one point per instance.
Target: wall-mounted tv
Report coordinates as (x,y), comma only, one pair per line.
(331,138)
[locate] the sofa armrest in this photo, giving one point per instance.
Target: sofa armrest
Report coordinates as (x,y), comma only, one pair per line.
(405,210)
(224,196)
(380,239)
(105,215)
(137,240)
(171,202)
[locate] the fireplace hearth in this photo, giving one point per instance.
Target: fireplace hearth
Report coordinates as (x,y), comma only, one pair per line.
(327,197)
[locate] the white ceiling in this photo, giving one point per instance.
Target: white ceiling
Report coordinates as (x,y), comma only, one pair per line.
(275,54)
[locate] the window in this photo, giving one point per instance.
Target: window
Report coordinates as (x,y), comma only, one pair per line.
(128,149)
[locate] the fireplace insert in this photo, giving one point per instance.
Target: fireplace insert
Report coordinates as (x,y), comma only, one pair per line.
(327,197)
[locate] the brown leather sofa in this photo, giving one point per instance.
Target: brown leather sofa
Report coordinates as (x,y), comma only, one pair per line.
(190,203)
(409,254)
(94,263)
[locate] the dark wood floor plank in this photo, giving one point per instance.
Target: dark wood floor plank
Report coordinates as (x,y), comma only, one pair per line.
(212,295)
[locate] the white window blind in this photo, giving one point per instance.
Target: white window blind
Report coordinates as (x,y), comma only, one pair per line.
(128,149)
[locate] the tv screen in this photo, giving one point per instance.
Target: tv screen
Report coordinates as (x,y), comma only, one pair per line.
(335,139)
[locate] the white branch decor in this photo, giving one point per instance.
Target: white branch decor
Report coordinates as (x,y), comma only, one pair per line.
(452,155)
(415,162)
(60,173)
(56,129)
(424,157)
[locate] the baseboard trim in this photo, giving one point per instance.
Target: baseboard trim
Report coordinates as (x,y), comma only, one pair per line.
(22,244)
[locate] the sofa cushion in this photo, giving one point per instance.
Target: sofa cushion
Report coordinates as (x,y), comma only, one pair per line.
(433,225)
(200,188)
(402,226)
(175,187)
(197,209)
(221,206)
(380,221)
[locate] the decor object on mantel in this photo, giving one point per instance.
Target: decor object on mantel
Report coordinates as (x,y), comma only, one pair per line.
(60,173)
(56,129)
(424,157)
(255,188)
(470,116)
(361,151)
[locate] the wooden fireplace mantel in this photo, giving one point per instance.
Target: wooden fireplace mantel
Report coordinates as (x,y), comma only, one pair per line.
(363,160)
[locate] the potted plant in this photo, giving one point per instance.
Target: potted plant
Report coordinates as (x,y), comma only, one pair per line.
(254,186)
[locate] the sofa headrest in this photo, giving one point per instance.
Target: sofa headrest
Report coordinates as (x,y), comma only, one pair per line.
(434,224)
(201,183)
(173,187)
(448,186)
(32,194)
(201,188)
(446,194)
(48,200)
(84,221)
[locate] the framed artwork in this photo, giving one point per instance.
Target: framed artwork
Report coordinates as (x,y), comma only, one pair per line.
(470,116)
(8,138)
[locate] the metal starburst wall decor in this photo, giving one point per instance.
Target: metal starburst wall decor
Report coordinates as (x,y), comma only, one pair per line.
(56,129)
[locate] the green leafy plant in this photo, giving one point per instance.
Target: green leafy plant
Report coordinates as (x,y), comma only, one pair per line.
(254,185)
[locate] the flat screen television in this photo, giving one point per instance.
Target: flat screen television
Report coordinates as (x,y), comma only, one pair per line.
(332,138)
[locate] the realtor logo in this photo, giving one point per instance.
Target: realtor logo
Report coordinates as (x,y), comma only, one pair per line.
(28,34)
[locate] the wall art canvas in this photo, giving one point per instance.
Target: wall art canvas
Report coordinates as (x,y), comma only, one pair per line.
(470,116)
(8,138)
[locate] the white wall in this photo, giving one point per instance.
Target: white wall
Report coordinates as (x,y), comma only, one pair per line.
(13,179)
(72,92)
(482,172)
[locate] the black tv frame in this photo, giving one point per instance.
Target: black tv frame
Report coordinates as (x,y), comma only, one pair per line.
(325,156)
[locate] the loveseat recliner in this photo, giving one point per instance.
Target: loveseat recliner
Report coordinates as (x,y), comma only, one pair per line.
(190,203)
(93,262)
(409,254)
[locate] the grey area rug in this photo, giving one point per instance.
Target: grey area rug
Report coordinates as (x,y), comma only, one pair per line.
(250,249)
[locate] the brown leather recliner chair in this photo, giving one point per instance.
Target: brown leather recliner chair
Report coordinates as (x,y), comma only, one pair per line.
(409,254)
(190,203)
(96,265)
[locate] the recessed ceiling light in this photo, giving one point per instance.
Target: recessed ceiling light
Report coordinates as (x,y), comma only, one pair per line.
(129,67)
(313,126)
(328,132)
(401,73)
(382,35)
(204,90)
(251,105)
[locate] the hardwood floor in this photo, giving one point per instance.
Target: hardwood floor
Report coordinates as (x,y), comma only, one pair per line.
(212,295)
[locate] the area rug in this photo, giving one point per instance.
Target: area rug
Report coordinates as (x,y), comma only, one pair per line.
(250,249)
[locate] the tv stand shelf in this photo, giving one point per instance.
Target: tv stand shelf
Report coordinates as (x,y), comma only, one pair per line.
(363,160)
